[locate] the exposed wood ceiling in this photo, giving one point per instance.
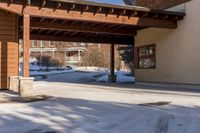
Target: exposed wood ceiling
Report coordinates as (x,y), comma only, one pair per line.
(69,30)
(81,21)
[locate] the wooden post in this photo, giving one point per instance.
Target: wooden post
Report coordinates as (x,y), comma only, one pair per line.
(79,55)
(112,76)
(26,44)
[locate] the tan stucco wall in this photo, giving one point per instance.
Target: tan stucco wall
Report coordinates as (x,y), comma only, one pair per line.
(177,51)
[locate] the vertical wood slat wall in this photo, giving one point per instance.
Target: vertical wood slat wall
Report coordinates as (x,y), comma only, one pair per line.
(9,49)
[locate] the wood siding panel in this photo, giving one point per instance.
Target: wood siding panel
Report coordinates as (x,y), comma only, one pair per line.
(9,50)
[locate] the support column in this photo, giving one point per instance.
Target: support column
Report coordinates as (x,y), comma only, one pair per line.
(26,82)
(79,55)
(26,44)
(112,76)
(53,54)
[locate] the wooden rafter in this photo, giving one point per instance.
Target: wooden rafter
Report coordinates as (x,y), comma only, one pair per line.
(121,40)
(88,22)
(98,17)
(85,28)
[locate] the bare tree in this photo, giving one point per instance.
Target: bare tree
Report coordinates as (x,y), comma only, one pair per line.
(60,55)
(94,56)
(99,56)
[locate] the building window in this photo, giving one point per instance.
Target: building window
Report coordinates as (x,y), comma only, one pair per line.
(42,43)
(51,43)
(34,43)
(147,57)
(74,44)
(82,44)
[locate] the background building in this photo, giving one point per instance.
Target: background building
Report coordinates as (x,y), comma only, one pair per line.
(70,52)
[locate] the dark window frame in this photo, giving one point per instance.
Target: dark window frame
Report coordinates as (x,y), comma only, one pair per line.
(153,56)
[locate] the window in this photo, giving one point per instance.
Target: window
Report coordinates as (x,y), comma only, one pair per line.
(51,43)
(82,44)
(147,57)
(42,43)
(34,43)
(74,44)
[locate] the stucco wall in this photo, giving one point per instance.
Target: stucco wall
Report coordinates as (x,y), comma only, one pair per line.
(177,51)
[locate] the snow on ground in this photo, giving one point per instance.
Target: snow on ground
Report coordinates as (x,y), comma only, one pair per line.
(87,107)
(79,108)
(35,70)
(122,77)
(91,69)
(41,70)
(73,77)
(55,71)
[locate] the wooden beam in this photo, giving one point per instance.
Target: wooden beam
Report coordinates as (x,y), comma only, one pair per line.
(26,44)
(42,19)
(68,27)
(52,21)
(133,14)
(89,16)
(112,10)
(57,32)
(99,9)
(85,8)
(122,12)
(28,2)
(159,23)
(127,40)
(76,15)
(39,31)
(43,3)
(48,32)
(71,7)
(58,5)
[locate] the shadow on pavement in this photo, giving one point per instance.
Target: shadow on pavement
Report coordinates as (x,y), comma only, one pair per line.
(63,115)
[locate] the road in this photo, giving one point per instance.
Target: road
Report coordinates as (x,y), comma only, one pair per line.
(101,108)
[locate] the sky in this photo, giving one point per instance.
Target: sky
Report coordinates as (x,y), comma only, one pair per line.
(110,1)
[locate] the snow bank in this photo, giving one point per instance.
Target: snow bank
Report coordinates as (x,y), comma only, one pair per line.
(91,69)
(122,77)
(40,70)
(33,73)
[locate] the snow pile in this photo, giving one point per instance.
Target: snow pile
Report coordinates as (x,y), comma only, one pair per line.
(91,69)
(34,67)
(41,70)
(66,70)
(122,77)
